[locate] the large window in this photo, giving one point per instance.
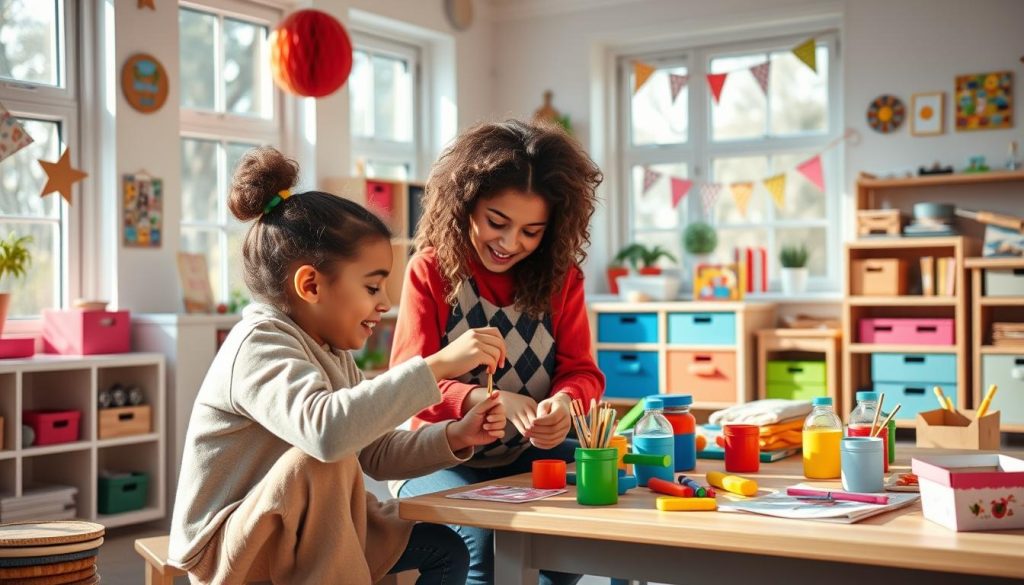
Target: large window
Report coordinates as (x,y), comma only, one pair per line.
(228,105)
(751,133)
(383,100)
(37,87)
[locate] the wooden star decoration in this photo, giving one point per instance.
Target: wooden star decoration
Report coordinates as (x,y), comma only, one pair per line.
(60,176)
(147,4)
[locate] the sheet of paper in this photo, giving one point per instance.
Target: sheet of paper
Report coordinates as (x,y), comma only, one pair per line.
(504,493)
(782,506)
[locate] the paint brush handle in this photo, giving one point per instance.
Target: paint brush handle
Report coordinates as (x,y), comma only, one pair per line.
(885,423)
(986,402)
(941,398)
(842,496)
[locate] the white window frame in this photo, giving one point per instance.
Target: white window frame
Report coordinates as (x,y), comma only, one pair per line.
(57,104)
(699,151)
(390,151)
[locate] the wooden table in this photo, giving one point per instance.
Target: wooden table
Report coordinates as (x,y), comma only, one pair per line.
(633,540)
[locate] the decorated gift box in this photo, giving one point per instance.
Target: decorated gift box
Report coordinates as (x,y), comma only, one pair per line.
(972,492)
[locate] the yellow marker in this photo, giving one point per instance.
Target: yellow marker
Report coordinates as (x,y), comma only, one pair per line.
(949,404)
(669,504)
(985,402)
(941,397)
(732,483)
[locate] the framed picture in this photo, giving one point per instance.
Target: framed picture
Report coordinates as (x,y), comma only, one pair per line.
(984,101)
(928,112)
(718,282)
(142,210)
(195,283)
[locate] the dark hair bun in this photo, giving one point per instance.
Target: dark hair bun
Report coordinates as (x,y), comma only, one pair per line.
(262,173)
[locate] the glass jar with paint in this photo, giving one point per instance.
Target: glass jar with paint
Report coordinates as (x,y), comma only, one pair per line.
(653,436)
(863,416)
(684,426)
(822,432)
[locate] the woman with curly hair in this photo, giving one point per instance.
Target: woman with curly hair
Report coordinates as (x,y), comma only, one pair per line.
(505,225)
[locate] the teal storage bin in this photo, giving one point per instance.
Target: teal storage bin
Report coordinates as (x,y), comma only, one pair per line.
(1006,371)
(914,396)
(702,328)
(796,372)
(934,368)
(627,327)
(629,374)
(123,493)
(791,391)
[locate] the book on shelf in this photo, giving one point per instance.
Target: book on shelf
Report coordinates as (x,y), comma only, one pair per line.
(927,276)
(950,276)
(38,494)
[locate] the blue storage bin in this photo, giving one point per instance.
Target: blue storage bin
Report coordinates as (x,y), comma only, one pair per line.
(629,374)
(939,369)
(702,328)
(914,396)
(627,327)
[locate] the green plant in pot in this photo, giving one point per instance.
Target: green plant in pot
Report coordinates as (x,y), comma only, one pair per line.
(650,256)
(628,258)
(794,268)
(15,258)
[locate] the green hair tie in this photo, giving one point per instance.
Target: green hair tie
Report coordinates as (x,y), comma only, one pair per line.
(281,196)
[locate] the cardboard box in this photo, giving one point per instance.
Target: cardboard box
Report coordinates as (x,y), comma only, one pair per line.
(952,430)
(878,277)
(972,492)
(124,421)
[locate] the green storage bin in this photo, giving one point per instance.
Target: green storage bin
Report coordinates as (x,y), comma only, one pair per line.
(123,493)
(790,391)
(796,372)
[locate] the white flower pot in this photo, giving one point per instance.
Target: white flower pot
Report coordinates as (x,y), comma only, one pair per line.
(656,288)
(794,280)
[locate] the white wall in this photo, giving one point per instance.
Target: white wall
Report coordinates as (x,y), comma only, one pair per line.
(888,46)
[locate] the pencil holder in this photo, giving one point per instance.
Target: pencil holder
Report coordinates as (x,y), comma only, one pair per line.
(862,464)
(597,477)
(742,448)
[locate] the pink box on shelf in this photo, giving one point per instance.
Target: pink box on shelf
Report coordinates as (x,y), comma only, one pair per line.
(972,492)
(80,332)
(907,331)
(17,347)
(53,426)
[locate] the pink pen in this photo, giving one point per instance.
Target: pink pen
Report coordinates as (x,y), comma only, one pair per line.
(847,496)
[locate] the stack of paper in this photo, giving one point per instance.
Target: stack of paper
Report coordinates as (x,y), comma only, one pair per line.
(1008,334)
(782,506)
(49,502)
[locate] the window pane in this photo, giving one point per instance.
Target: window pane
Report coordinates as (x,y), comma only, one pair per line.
(392,99)
(813,238)
(245,72)
(656,118)
(741,169)
(199,180)
(198,59)
(803,199)
(387,170)
(360,88)
(206,242)
(731,238)
(28,41)
(741,111)
(654,208)
(236,268)
(40,289)
(22,178)
(799,96)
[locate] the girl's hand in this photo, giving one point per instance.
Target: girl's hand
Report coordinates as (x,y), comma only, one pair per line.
(521,411)
(484,423)
(476,347)
(552,423)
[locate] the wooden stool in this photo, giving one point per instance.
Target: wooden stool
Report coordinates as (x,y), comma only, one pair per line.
(822,341)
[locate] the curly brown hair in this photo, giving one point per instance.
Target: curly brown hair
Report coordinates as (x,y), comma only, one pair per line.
(528,157)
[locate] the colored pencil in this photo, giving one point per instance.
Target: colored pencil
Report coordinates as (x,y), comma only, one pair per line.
(844,496)
(874,421)
(941,398)
(887,419)
(986,401)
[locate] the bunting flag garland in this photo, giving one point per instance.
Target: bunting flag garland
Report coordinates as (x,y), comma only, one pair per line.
(741,193)
(806,52)
(12,134)
(642,72)
(760,73)
(776,185)
(677,83)
(650,177)
(709,196)
(680,187)
(811,169)
(716,81)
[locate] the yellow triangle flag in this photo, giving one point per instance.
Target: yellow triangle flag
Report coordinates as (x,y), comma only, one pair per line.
(641,72)
(776,185)
(741,193)
(805,52)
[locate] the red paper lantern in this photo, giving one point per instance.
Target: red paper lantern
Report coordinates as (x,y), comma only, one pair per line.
(310,54)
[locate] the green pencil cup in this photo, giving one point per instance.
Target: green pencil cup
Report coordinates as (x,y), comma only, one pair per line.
(597,477)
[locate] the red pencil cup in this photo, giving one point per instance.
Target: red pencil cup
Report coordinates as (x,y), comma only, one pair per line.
(549,474)
(742,448)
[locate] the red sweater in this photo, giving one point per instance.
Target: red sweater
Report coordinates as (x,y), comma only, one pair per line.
(423,315)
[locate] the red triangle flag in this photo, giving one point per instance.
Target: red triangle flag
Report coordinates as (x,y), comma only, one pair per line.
(811,169)
(680,187)
(716,81)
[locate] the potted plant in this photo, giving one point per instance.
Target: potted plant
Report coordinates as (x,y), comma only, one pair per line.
(650,256)
(645,281)
(628,258)
(700,240)
(794,268)
(15,258)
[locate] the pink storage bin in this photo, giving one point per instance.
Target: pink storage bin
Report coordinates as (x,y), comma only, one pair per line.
(972,492)
(907,331)
(53,426)
(80,332)
(17,347)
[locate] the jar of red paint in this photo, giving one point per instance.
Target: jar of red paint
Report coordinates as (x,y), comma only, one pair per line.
(742,448)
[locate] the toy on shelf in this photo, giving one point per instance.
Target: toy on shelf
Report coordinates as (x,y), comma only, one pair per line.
(935,169)
(976,164)
(718,282)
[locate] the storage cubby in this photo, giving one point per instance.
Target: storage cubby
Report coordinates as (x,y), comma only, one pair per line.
(64,390)
(132,459)
(8,477)
(8,412)
(73,468)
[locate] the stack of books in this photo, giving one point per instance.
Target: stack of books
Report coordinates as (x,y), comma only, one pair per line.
(44,502)
(938,276)
(1008,334)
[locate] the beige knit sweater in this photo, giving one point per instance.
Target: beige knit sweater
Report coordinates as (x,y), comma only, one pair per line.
(271,387)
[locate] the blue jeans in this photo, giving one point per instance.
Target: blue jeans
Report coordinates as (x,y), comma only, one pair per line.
(438,553)
(480,541)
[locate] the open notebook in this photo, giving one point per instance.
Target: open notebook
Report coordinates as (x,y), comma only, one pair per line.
(783,506)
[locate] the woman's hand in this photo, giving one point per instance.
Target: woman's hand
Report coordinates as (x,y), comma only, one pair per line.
(521,411)
(484,423)
(552,423)
(476,347)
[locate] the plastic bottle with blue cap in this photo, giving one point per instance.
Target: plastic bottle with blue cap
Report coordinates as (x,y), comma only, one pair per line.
(822,434)
(684,427)
(653,436)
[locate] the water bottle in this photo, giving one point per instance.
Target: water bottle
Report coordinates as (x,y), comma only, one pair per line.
(823,432)
(652,435)
(861,419)
(677,413)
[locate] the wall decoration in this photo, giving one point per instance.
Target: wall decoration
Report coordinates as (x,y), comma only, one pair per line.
(146,4)
(641,73)
(927,113)
(144,83)
(807,52)
(886,114)
(60,176)
(984,101)
(142,210)
(548,113)
(718,282)
(310,54)
(12,134)
(459,13)
(195,283)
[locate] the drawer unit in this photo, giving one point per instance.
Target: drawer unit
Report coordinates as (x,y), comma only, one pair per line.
(702,328)
(629,374)
(627,327)
(914,396)
(1004,283)
(708,376)
(791,391)
(907,331)
(1007,371)
(878,277)
(800,373)
(939,368)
